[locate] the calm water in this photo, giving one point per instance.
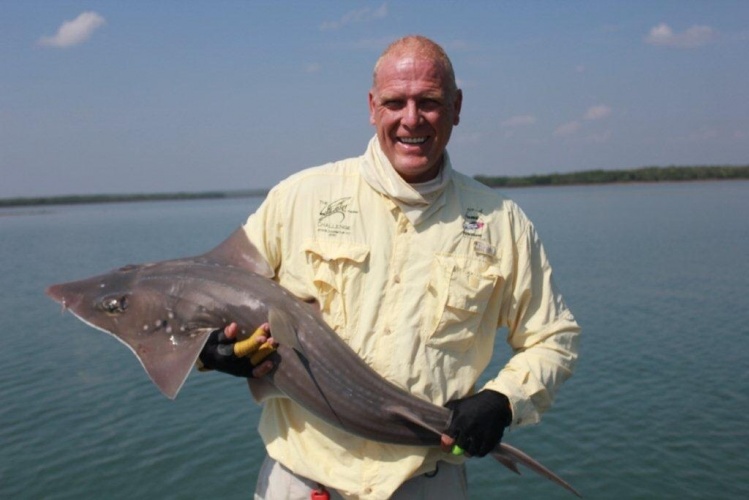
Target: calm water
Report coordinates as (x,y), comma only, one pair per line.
(658,276)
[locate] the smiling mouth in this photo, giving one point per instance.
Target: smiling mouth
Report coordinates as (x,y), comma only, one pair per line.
(412,140)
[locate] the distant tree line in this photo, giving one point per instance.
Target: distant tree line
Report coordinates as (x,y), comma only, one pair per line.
(645,174)
(125,198)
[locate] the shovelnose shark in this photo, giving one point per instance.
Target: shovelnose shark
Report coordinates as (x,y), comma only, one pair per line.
(164,312)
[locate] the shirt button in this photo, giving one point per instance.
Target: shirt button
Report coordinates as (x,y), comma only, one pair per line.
(397,279)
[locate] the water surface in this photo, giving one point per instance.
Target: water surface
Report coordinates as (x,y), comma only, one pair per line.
(657,275)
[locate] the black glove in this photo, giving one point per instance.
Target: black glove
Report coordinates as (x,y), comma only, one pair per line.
(218,354)
(478,421)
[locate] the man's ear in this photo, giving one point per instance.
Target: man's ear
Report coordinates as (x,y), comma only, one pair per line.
(457,104)
(371,108)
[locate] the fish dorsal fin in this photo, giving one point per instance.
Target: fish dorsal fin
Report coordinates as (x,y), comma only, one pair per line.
(410,416)
(237,250)
(282,329)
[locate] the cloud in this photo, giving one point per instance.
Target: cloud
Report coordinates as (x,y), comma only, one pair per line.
(74,32)
(597,112)
(312,67)
(593,113)
(356,16)
(696,36)
(567,129)
(519,121)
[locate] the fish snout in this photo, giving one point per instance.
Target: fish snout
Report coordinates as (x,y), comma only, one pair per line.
(63,294)
(56,293)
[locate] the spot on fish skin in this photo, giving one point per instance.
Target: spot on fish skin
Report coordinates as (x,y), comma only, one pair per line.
(182,328)
(102,285)
(168,329)
(253,304)
(145,328)
(173,340)
(171,315)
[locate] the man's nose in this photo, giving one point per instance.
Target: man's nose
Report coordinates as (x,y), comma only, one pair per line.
(412,115)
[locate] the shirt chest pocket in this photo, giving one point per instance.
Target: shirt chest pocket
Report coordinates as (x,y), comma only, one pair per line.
(459,290)
(336,270)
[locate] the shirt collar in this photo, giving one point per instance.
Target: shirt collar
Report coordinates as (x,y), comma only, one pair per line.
(417,201)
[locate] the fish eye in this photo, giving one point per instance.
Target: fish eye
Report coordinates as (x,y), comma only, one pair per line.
(114,305)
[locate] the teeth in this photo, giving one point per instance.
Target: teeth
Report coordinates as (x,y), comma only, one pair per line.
(413,140)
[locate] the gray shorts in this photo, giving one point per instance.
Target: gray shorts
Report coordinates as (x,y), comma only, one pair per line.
(276,482)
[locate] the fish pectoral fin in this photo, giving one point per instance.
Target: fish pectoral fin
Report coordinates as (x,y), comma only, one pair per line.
(411,416)
(166,364)
(282,329)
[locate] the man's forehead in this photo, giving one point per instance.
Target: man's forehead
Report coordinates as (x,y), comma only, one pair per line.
(405,63)
(400,72)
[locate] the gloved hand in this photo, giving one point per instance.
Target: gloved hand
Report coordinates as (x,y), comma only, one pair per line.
(245,358)
(478,421)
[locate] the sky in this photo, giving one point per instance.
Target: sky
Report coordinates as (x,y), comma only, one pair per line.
(191,96)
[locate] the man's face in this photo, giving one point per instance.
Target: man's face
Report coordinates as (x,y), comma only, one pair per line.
(414,115)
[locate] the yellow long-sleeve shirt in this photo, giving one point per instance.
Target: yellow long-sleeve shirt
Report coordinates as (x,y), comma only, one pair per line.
(421,303)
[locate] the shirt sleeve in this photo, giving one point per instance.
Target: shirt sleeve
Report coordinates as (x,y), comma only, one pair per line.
(268,229)
(264,228)
(542,333)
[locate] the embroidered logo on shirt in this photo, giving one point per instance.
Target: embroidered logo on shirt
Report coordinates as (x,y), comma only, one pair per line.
(333,216)
(338,206)
(472,223)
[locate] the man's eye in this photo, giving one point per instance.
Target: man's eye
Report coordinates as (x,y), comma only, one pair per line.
(392,104)
(430,104)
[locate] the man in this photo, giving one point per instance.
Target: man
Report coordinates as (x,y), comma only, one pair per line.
(415,266)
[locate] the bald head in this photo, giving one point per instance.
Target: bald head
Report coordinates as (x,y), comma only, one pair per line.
(419,47)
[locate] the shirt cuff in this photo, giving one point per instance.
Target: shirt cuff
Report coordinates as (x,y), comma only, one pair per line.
(524,412)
